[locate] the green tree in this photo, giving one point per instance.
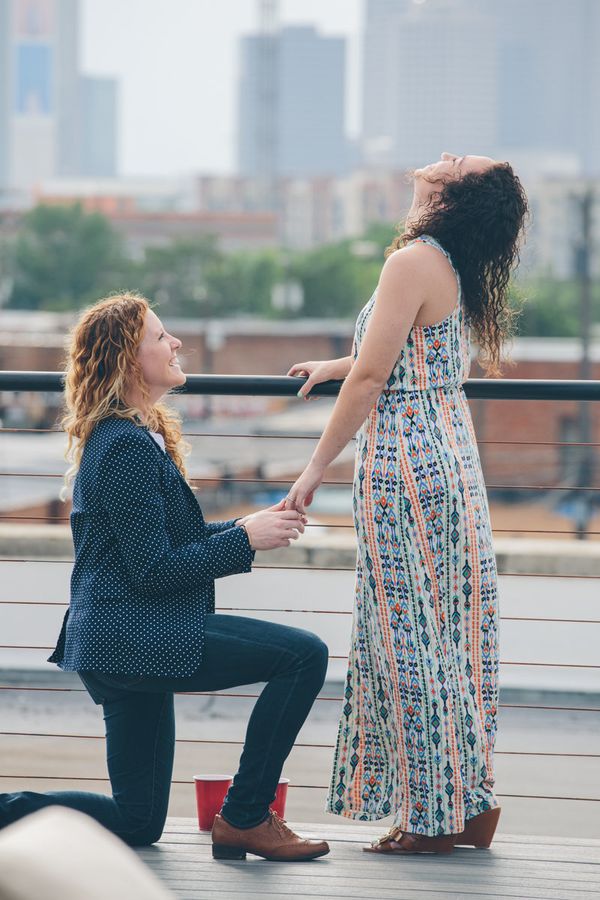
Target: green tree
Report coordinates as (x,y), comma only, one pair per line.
(338,279)
(550,308)
(64,258)
(243,283)
(177,275)
(195,278)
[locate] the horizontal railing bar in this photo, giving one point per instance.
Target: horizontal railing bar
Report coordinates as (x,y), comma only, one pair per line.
(101,737)
(71,690)
(320,612)
(285,386)
(316,787)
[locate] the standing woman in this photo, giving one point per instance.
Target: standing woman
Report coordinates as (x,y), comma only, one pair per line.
(141,624)
(418,725)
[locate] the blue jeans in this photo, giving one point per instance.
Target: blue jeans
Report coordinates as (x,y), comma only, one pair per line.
(140,728)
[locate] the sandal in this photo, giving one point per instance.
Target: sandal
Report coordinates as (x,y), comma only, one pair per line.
(406,843)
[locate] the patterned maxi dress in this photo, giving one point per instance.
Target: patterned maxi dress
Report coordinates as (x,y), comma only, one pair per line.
(418,724)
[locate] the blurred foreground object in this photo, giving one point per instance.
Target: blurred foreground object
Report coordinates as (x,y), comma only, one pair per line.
(60,854)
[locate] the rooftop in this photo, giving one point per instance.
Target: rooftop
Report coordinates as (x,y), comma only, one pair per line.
(521,867)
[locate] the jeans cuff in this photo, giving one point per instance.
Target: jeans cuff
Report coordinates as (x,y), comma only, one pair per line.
(246,825)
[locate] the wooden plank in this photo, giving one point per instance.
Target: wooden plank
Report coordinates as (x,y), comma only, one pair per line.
(386,880)
(445,873)
(319,888)
(365,831)
(539,853)
(518,867)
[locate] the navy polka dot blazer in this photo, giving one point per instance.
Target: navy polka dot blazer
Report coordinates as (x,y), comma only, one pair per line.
(145,560)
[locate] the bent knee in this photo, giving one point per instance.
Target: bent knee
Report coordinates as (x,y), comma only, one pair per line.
(142,831)
(317,652)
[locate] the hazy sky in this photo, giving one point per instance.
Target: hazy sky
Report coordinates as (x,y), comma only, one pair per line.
(176,61)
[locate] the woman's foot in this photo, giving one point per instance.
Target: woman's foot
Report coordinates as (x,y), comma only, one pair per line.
(401,842)
(272,839)
(479,831)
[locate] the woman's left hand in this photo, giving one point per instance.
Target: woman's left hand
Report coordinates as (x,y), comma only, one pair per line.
(302,492)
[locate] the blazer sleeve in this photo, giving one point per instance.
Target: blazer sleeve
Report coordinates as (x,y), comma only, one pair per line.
(211,528)
(130,493)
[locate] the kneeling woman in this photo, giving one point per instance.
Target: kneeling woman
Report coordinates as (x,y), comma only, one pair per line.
(141,623)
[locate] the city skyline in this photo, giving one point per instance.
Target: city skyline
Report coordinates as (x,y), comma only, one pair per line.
(177,92)
(202,59)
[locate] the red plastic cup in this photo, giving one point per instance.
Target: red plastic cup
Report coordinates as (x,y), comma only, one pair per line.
(278,804)
(210,794)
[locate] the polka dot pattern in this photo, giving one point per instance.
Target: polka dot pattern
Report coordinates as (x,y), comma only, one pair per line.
(145,560)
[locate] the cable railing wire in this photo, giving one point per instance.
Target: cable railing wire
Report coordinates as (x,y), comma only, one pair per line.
(331,525)
(317,787)
(310,746)
(225,479)
(236,695)
(503,662)
(321,612)
(311,437)
(480,388)
(276,568)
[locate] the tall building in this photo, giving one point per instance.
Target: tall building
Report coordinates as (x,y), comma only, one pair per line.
(99,127)
(429,81)
(4,93)
(380,82)
(42,97)
(486,76)
(293,81)
(549,77)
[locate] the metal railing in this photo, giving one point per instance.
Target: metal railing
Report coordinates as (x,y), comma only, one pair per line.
(267,386)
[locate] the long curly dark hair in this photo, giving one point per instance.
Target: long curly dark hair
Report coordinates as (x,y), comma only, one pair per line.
(480,220)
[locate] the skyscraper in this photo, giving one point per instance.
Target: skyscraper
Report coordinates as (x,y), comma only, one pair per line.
(98,127)
(41,92)
(486,76)
(307,124)
(429,80)
(549,77)
(4,93)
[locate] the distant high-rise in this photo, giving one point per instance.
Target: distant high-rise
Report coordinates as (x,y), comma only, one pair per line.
(549,77)
(99,127)
(485,76)
(42,95)
(307,118)
(429,81)
(4,93)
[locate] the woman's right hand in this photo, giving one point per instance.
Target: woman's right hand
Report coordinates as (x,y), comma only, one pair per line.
(270,529)
(318,371)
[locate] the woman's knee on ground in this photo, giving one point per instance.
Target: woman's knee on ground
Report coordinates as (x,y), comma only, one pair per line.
(142,829)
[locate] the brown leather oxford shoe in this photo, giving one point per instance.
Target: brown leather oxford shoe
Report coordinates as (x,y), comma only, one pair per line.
(272,839)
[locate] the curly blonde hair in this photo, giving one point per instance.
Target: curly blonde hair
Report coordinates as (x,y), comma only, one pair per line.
(101,364)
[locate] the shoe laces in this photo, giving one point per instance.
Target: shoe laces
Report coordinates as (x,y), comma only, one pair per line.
(281,826)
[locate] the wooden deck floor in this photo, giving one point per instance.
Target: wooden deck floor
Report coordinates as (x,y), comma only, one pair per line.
(519,867)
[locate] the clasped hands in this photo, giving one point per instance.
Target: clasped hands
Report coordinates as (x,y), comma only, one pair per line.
(272,528)
(283,523)
(279,525)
